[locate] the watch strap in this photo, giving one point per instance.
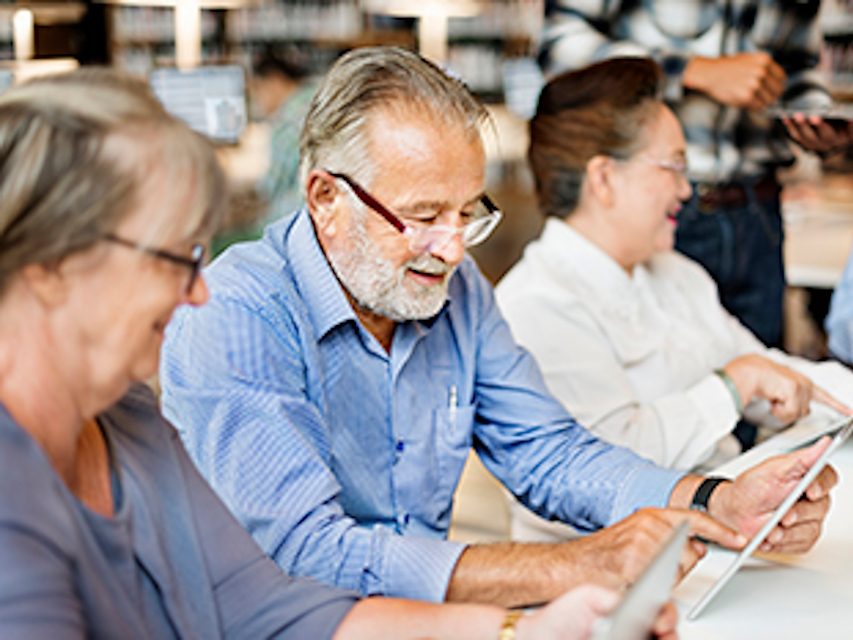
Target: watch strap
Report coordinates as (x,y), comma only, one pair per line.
(703,493)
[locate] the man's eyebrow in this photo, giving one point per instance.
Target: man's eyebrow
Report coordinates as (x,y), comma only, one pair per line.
(434,205)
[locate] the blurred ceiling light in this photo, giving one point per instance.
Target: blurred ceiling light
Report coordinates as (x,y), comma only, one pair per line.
(23,34)
(418,8)
(432,18)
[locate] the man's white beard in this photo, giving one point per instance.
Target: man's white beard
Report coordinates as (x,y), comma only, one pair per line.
(375,284)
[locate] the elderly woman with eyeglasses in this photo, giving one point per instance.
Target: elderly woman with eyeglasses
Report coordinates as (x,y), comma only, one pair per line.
(107,530)
(630,335)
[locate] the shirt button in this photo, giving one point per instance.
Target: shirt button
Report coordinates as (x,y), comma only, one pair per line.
(400,446)
(403,519)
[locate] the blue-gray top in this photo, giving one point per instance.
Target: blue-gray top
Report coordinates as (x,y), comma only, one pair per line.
(171,563)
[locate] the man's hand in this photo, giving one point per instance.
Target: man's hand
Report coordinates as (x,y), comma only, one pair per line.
(816,134)
(748,502)
(523,574)
(617,555)
(743,80)
(573,615)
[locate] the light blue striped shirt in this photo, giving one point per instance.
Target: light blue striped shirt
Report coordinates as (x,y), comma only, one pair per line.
(839,321)
(342,459)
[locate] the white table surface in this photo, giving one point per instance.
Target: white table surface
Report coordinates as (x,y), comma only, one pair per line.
(803,597)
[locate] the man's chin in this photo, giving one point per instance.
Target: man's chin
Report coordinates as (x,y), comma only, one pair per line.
(409,310)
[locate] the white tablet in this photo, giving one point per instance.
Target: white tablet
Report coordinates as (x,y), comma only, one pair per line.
(838,115)
(783,508)
(636,613)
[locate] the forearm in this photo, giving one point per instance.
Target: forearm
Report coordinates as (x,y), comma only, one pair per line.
(522,574)
(683,492)
(381,618)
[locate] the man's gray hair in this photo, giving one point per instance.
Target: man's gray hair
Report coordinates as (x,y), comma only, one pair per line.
(369,79)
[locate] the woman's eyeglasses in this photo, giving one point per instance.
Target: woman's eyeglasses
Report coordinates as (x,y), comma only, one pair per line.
(193,263)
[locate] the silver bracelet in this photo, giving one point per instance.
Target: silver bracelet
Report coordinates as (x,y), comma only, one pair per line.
(730,385)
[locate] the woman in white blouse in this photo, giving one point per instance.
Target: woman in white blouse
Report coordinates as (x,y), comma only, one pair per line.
(630,335)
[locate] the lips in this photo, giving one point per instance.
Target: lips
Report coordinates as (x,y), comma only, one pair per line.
(428,277)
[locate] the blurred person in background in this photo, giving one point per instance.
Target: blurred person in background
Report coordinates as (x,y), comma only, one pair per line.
(107,530)
(630,335)
(281,92)
(348,361)
(725,62)
(839,321)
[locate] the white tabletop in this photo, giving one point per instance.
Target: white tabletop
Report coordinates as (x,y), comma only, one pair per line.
(800,597)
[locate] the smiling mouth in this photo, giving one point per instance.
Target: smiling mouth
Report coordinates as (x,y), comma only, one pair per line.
(427,275)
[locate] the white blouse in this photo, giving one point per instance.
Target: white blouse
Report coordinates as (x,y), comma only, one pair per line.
(632,356)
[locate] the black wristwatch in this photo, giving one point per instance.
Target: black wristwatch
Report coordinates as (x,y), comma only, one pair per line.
(703,493)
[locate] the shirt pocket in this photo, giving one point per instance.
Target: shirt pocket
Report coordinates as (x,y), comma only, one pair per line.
(454,433)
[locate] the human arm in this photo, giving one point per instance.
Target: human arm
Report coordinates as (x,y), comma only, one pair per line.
(788,392)
(622,378)
(569,617)
(528,441)
(521,574)
(813,133)
(775,385)
(39,595)
(749,80)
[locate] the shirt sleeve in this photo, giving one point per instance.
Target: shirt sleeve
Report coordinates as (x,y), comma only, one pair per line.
(839,322)
(679,429)
(795,42)
(254,597)
(235,386)
(39,596)
(528,441)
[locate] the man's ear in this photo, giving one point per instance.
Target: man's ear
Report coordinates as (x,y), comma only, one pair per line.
(599,179)
(322,197)
(46,283)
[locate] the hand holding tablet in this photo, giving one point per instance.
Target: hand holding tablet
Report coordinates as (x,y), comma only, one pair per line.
(820,129)
(636,613)
(777,516)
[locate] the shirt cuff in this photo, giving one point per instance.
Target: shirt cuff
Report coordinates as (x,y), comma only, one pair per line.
(715,402)
(415,567)
(645,486)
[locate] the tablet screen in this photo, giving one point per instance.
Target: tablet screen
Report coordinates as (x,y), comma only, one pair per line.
(783,508)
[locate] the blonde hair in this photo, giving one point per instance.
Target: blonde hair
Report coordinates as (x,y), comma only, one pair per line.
(77,155)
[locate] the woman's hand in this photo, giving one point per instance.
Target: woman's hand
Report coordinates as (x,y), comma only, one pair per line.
(572,616)
(789,392)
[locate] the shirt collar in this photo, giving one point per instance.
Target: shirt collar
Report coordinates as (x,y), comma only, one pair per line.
(568,251)
(323,294)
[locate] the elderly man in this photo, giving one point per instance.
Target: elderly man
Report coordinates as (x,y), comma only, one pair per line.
(346,362)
